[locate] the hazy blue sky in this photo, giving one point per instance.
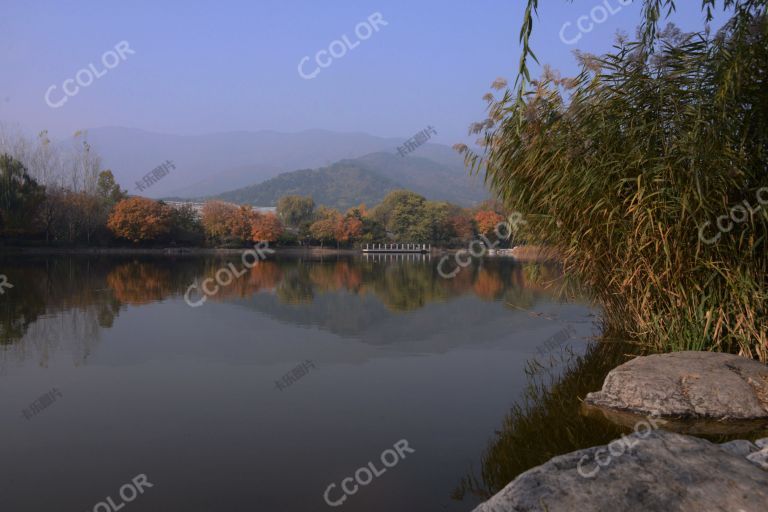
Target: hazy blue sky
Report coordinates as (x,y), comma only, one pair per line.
(232,65)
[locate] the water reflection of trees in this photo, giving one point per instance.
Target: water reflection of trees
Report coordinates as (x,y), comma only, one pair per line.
(401,286)
(93,290)
(54,301)
(296,286)
(138,282)
(546,422)
(93,287)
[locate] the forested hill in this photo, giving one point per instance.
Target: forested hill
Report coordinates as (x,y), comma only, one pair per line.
(366,180)
(341,185)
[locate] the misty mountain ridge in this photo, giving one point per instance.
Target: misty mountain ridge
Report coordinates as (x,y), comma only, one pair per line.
(215,163)
(368,179)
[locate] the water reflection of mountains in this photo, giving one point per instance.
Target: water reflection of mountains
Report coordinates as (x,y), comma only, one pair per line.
(346,296)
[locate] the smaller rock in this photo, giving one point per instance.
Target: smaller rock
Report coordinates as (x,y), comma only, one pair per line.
(759,458)
(739,447)
(762,443)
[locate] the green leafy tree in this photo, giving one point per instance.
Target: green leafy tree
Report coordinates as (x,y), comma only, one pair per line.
(185,226)
(20,197)
(408,217)
(435,226)
(401,212)
(108,190)
(295,211)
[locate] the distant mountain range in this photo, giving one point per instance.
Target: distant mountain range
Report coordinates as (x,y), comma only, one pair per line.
(363,180)
(338,169)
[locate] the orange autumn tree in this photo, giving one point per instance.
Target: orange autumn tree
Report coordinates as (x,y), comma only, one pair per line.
(139,219)
(461,225)
(487,221)
(240,223)
(216,217)
(324,229)
(266,228)
(349,227)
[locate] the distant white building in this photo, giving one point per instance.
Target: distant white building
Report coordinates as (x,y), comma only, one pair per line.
(198,207)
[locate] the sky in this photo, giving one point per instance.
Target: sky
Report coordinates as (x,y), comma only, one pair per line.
(199,67)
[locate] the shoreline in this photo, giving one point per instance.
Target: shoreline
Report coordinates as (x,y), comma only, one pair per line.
(520,253)
(169,251)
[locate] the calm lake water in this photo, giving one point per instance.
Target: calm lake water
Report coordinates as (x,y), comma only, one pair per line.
(138,382)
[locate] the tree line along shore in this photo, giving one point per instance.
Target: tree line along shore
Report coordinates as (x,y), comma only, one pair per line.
(81,205)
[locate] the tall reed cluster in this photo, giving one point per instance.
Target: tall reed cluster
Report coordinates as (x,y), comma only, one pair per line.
(620,167)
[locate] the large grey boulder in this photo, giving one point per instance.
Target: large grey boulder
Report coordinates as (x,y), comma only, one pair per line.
(705,385)
(646,471)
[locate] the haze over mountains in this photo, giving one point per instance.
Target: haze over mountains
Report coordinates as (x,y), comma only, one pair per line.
(368,179)
(342,169)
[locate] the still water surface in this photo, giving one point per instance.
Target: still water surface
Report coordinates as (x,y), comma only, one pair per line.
(195,397)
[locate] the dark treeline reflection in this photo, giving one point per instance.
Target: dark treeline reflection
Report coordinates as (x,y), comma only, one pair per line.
(546,421)
(87,293)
